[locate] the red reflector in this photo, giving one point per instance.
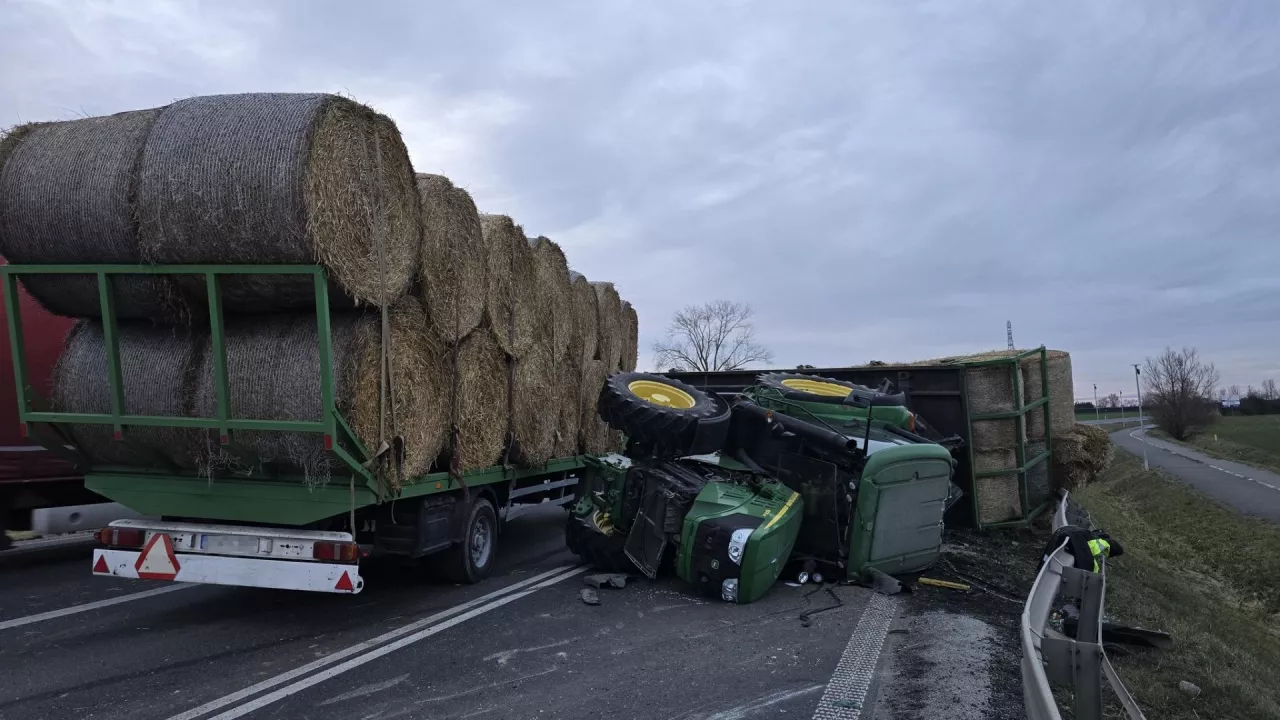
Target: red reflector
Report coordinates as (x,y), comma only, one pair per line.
(328,442)
(344,583)
(101,565)
(118,435)
(224,439)
(335,551)
(22,429)
(120,537)
(911,424)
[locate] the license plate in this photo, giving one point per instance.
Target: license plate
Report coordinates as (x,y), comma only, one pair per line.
(229,544)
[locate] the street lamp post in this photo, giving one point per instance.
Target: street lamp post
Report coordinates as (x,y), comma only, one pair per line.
(1121,406)
(1138,384)
(1097,411)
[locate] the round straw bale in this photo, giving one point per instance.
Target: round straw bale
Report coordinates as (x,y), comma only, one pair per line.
(534,392)
(1062,412)
(609,325)
(419,370)
(66,196)
(156,367)
(582,300)
(453,265)
(551,274)
(513,304)
(482,401)
(1039,480)
(282,178)
(999,498)
(569,401)
(630,337)
(995,434)
(595,433)
(273,369)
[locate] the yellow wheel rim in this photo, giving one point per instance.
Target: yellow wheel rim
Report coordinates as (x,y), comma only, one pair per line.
(817,387)
(661,394)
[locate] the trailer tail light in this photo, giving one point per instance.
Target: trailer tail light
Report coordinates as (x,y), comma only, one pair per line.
(328,441)
(120,537)
(343,552)
(23,430)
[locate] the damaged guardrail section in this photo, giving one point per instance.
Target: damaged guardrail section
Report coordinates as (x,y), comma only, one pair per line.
(1049,657)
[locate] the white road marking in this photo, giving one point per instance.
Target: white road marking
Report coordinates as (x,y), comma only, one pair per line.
(743,711)
(387,649)
(555,575)
(1173,451)
(86,607)
(846,693)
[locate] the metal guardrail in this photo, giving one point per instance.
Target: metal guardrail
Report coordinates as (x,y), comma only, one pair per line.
(1049,657)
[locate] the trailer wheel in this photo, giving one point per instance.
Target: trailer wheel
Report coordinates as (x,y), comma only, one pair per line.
(606,553)
(665,416)
(814,388)
(471,559)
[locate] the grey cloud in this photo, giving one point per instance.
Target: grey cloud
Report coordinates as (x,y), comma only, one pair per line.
(885,180)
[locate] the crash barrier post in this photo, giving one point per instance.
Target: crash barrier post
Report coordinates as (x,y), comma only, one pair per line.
(1049,657)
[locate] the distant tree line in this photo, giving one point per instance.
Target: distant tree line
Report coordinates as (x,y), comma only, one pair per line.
(1259,401)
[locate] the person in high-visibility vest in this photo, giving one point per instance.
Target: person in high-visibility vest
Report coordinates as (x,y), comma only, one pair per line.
(1086,546)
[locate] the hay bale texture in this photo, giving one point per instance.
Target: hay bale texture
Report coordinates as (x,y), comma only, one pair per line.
(281,178)
(534,413)
(157,367)
(514,308)
(999,497)
(1080,455)
(582,301)
(630,337)
(66,196)
(568,386)
(551,274)
(454,261)
(609,325)
(482,401)
(595,433)
(417,407)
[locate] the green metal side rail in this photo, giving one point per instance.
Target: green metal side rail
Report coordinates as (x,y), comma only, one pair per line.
(1019,415)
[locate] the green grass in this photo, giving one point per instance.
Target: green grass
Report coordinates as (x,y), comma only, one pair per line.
(1202,572)
(1250,439)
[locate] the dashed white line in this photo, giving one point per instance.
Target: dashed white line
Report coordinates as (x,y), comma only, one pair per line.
(1174,451)
(846,693)
(86,607)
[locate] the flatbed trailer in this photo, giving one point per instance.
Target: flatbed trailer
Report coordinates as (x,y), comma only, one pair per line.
(269,529)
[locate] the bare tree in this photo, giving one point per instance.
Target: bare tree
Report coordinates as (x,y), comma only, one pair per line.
(1179,391)
(1234,391)
(1110,401)
(1269,390)
(716,336)
(1223,393)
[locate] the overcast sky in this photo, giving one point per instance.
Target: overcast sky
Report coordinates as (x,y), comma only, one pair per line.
(879,180)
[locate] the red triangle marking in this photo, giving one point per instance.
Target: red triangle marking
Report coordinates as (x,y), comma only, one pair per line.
(161,565)
(344,583)
(101,565)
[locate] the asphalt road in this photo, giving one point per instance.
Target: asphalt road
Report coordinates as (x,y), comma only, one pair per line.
(1250,490)
(519,645)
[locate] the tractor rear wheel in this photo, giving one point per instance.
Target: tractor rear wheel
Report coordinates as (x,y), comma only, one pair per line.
(813,388)
(605,552)
(666,416)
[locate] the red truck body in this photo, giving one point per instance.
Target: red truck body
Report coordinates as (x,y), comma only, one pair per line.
(31,476)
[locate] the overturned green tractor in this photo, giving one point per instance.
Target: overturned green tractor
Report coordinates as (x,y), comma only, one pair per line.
(822,475)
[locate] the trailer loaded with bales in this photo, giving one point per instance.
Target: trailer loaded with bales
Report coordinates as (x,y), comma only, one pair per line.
(291,351)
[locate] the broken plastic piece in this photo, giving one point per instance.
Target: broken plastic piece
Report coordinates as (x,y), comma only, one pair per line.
(590,596)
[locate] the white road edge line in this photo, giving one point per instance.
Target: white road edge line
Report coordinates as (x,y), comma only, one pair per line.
(86,607)
(1144,439)
(335,657)
(372,655)
(846,693)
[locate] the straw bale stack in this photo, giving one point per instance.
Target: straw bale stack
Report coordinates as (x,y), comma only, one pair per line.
(551,274)
(284,178)
(569,401)
(534,414)
(514,308)
(630,337)
(595,433)
(482,394)
(582,300)
(609,325)
(452,270)
(66,196)
(157,367)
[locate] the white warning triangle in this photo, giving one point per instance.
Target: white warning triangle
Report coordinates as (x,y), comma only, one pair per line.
(157,561)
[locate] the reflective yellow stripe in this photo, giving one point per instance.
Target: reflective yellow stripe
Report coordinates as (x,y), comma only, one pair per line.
(790,501)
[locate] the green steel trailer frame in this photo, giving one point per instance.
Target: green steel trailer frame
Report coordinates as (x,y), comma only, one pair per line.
(260,498)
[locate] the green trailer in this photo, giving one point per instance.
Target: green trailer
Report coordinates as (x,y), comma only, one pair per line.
(271,529)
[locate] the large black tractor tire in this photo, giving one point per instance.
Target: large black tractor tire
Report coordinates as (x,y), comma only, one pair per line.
(665,416)
(471,559)
(814,388)
(606,553)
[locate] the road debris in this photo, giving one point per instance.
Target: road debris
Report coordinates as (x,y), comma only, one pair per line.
(942,583)
(602,580)
(1191,690)
(590,597)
